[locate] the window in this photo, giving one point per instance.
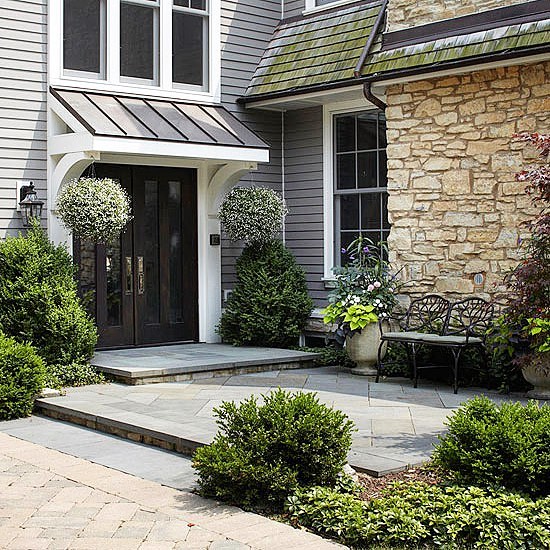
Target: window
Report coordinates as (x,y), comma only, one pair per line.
(189,42)
(360,179)
(164,43)
(84,37)
(139,40)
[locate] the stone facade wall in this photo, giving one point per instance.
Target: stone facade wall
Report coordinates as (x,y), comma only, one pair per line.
(403,14)
(455,207)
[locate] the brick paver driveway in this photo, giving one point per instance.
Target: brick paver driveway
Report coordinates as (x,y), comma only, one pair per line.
(56,501)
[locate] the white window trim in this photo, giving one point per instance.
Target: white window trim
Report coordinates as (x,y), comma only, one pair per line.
(329,111)
(113,82)
(312,8)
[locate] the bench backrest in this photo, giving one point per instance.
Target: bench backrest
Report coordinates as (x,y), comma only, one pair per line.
(470,317)
(427,314)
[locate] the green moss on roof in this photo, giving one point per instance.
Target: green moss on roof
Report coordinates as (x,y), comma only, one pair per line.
(315,50)
(510,39)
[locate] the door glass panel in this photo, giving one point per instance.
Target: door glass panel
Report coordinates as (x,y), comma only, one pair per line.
(87,274)
(113,269)
(176,259)
(152,272)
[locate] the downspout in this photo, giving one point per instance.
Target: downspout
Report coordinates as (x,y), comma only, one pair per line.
(367,86)
(283,169)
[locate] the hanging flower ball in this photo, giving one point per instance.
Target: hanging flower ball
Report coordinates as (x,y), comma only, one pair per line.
(94,209)
(252,214)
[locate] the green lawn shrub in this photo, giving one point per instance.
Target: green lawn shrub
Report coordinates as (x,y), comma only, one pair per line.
(412,515)
(265,452)
(21,378)
(72,375)
(39,302)
(506,445)
(270,303)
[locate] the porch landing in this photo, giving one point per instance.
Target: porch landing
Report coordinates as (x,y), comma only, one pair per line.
(178,363)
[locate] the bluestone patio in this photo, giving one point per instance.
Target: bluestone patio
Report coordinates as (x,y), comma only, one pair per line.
(397,425)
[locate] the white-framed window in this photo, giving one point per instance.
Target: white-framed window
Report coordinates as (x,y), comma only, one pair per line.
(355,179)
(318,5)
(125,45)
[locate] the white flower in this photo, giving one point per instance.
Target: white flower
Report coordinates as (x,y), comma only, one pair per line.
(370,288)
(377,284)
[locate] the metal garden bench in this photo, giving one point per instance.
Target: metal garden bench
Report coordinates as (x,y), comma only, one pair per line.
(434,321)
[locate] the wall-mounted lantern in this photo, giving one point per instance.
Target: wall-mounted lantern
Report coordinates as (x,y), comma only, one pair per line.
(31,207)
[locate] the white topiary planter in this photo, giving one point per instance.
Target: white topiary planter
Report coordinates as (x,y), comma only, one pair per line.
(362,349)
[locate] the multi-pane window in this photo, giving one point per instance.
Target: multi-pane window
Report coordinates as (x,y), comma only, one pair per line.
(189,42)
(139,40)
(145,57)
(84,23)
(360,179)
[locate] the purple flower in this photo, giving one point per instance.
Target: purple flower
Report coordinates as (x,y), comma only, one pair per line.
(366,249)
(343,250)
(352,257)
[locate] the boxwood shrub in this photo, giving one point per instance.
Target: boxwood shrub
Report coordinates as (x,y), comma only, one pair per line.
(39,302)
(264,452)
(506,445)
(417,515)
(21,378)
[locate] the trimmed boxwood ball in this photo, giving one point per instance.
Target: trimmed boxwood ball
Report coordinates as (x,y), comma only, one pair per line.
(39,302)
(94,209)
(491,445)
(21,378)
(252,214)
(270,304)
(262,453)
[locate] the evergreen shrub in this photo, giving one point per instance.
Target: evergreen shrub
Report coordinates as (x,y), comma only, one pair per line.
(491,445)
(39,301)
(21,378)
(263,453)
(270,304)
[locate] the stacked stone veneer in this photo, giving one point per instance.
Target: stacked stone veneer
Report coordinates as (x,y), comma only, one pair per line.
(455,207)
(403,14)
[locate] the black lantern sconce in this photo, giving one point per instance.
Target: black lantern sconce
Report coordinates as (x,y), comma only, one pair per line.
(31,207)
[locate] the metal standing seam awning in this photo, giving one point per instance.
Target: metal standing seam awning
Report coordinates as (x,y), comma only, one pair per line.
(166,127)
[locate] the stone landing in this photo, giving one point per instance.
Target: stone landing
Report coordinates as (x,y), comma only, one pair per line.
(183,362)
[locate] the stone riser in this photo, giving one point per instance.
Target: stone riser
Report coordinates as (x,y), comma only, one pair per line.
(201,374)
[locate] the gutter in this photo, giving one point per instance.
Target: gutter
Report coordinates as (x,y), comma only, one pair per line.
(367,87)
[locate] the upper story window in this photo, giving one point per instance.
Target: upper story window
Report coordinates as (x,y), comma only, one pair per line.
(84,33)
(314,5)
(162,43)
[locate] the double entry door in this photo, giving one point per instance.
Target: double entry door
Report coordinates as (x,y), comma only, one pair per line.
(143,287)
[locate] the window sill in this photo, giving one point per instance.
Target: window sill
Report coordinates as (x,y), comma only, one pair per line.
(140,90)
(336,4)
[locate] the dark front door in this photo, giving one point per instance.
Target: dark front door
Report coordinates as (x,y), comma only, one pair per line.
(144,286)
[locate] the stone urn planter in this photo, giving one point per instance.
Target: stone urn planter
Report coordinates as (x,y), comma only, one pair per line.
(362,349)
(537,372)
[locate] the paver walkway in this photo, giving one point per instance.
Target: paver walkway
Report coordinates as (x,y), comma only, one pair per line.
(51,500)
(397,424)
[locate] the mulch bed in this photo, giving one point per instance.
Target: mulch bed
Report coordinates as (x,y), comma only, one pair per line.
(373,486)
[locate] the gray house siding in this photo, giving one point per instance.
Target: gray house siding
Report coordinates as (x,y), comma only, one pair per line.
(293,8)
(304,194)
(247,26)
(23,84)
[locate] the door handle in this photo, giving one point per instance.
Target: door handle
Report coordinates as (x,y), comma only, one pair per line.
(129,275)
(141,275)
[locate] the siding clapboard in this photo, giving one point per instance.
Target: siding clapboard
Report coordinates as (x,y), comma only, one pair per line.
(293,8)
(304,194)
(23,85)
(247,27)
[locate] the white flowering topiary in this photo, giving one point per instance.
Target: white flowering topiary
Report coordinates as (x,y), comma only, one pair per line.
(94,209)
(252,214)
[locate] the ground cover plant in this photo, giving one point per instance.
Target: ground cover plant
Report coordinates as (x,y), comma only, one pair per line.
(21,377)
(486,488)
(39,304)
(264,452)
